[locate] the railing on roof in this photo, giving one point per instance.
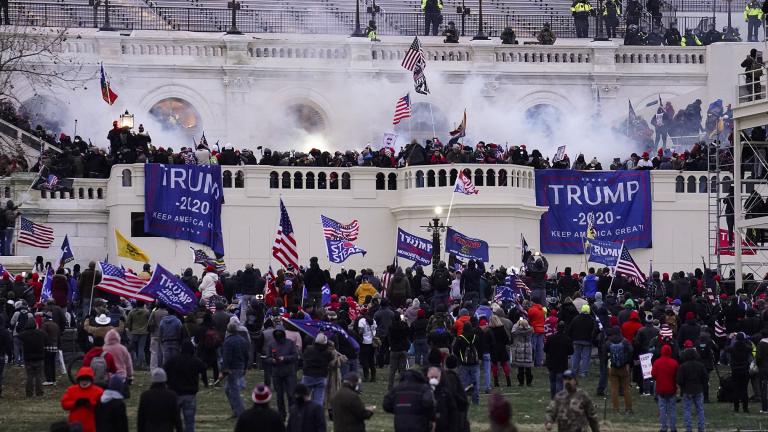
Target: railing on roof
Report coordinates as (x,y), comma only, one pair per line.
(707,5)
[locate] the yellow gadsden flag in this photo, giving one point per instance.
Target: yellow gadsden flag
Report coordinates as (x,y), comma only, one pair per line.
(129,250)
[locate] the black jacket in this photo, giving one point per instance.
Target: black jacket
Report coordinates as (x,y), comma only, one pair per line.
(690,330)
(248,281)
(582,328)
(314,279)
(349,412)
(557,349)
(306,417)
(412,403)
(185,372)
(33,344)
(741,357)
(691,375)
(316,361)
(158,411)
(111,416)
(260,418)
(399,336)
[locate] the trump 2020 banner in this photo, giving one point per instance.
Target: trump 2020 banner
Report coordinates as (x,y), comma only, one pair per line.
(168,289)
(617,203)
(465,247)
(184,202)
(411,247)
(604,252)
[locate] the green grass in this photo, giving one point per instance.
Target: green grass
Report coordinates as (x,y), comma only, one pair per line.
(529,403)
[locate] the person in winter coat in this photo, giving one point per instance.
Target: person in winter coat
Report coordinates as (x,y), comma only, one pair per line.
(557,348)
(522,352)
(399,289)
(399,337)
(619,353)
(536,317)
(281,355)
(691,376)
(317,358)
(740,353)
(234,361)
(466,350)
(120,355)
(445,402)
(80,400)
(306,416)
(411,402)
(363,290)
(208,284)
(689,330)
(110,414)
(581,331)
(664,371)
(500,351)
(349,412)
(158,406)
(185,372)
(571,409)
(260,417)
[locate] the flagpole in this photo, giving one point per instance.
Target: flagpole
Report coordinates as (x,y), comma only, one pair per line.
(432,117)
(614,268)
(450,206)
(93,285)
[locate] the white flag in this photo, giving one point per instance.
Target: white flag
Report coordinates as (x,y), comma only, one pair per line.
(389,139)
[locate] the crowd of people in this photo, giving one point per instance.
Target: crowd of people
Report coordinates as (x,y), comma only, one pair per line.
(441,340)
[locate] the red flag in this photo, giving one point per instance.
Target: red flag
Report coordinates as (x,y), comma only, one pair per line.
(271,295)
(106,91)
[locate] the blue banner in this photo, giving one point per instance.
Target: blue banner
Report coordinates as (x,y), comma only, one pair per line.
(167,288)
(184,202)
(340,250)
(416,249)
(618,204)
(465,247)
(604,252)
(311,328)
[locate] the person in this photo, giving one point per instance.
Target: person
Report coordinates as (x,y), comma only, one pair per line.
(306,415)
(465,347)
(260,417)
(500,414)
(571,409)
(136,325)
(80,400)
(761,361)
(537,318)
(33,346)
(546,36)
(120,355)
(349,412)
(753,68)
(619,353)
(522,352)
(399,336)
(171,333)
(500,351)
(185,372)
(691,376)
(507,36)
(411,402)
(557,348)
(611,14)
(370,31)
(282,356)
(233,364)
(158,406)
(690,39)
(633,13)
(110,414)
(664,371)
(672,35)
(445,402)
(740,352)
(581,331)
(581,10)
(153,327)
(451,34)
(317,357)
(753,15)
(4,10)
(101,362)
(433,15)
(6,349)
(89,278)
(366,328)
(8,215)
(712,35)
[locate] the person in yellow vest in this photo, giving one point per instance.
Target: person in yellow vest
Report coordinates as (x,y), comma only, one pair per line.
(611,14)
(753,15)
(581,10)
(433,15)
(370,31)
(689,39)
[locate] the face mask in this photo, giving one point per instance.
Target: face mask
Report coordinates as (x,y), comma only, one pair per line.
(434,382)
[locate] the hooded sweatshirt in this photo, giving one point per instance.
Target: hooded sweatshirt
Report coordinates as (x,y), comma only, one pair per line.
(120,354)
(664,371)
(630,328)
(83,414)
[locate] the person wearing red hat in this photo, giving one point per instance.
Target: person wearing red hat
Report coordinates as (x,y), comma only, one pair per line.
(690,329)
(80,400)
(664,371)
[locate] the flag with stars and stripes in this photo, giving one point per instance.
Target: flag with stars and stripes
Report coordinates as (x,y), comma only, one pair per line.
(285,249)
(202,258)
(626,266)
(402,109)
(333,230)
(414,56)
(464,185)
(116,280)
(34,234)
(4,272)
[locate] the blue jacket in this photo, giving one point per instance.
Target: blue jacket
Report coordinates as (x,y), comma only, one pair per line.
(170,330)
(234,353)
(590,286)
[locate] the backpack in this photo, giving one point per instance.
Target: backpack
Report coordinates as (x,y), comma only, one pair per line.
(99,366)
(618,355)
(212,339)
(21,323)
(469,356)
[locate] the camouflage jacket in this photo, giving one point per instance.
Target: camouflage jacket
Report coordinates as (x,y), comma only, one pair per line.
(572,412)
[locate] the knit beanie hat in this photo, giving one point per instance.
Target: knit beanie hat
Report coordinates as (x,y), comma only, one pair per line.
(261,394)
(158,376)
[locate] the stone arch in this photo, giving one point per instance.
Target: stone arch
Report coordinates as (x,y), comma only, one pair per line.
(127,179)
(185,93)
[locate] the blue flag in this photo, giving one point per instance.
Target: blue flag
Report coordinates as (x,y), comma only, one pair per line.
(465,247)
(326,291)
(46,293)
(414,248)
(312,328)
(604,252)
(167,288)
(483,311)
(503,293)
(184,202)
(66,252)
(340,250)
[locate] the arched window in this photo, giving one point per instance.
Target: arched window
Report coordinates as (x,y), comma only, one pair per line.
(419,179)
(502,177)
(442,178)
(431,178)
(703,184)
(713,184)
(679,184)
(99,193)
(43,193)
(175,114)
(298,180)
(80,193)
(321,181)
(479,181)
(334,180)
(286,180)
(346,182)
(127,179)
(274,182)
(7,192)
(90,193)
(691,184)
(392,181)
(454,174)
(380,181)
(310,180)
(239,180)
(490,179)
(726,184)
(227,179)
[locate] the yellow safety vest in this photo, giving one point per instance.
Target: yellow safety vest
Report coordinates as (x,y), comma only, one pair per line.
(424,4)
(752,12)
(695,39)
(618,8)
(581,7)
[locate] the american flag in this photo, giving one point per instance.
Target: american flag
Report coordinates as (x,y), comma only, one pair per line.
(116,280)
(284,249)
(202,258)
(336,231)
(402,109)
(34,234)
(464,185)
(4,272)
(271,294)
(627,267)
(414,56)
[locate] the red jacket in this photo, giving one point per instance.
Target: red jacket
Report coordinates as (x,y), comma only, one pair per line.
(664,372)
(458,326)
(95,352)
(630,328)
(83,414)
(536,318)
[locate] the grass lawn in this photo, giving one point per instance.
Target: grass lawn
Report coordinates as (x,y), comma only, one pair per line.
(529,403)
